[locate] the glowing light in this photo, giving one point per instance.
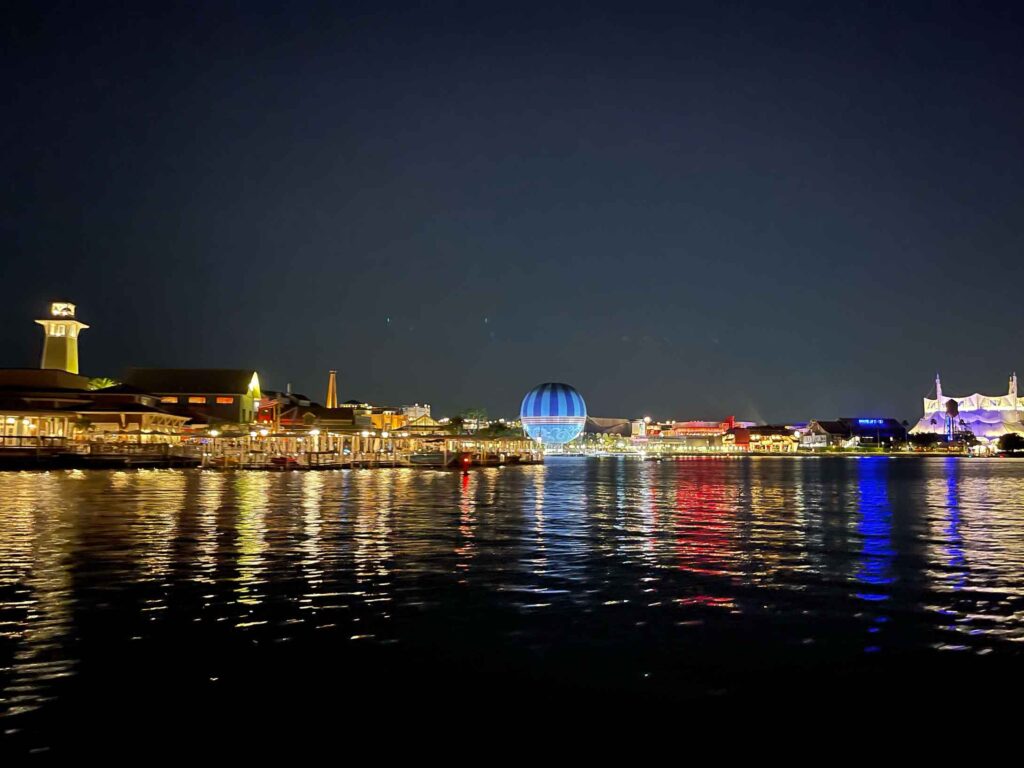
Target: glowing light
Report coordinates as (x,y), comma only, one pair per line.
(314,432)
(214,433)
(264,432)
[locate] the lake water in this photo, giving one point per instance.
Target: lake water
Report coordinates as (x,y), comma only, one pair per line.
(597,580)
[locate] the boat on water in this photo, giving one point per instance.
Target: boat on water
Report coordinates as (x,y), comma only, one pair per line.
(460,460)
(428,458)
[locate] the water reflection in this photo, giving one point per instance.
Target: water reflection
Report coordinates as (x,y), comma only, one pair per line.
(836,554)
(874,524)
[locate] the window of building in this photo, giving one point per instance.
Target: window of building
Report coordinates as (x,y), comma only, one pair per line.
(169,399)
(225,400)
(197,400)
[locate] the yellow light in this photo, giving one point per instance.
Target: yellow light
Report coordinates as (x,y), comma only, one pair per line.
(214,433)
(384,435)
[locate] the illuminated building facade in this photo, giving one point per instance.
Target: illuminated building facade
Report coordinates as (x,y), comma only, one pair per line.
(47,406)
(416,411)
(761,439)
(851,433)
(220,395)
(988,417)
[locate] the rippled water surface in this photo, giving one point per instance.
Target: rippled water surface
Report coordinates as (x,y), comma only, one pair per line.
(684,579)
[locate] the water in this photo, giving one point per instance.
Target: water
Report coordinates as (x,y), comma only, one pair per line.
(582,580)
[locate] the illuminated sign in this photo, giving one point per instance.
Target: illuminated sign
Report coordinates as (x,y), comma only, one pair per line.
(873,422)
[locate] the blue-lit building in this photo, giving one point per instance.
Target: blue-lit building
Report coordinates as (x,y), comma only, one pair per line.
(553,413)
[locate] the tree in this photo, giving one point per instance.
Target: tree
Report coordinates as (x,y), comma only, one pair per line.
(925,440)
(499,429)
(102,382)
(1011,442)
(471,418)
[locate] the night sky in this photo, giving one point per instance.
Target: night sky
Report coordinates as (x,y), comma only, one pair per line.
(688,211)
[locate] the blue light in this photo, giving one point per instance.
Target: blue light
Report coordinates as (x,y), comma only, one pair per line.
(871,421)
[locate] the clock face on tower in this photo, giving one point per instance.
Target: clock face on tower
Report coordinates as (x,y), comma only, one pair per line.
(62,309)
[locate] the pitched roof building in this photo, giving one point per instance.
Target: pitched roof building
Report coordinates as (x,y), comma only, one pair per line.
(210,395)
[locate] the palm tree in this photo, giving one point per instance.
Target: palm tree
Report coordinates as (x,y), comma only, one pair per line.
(102,382)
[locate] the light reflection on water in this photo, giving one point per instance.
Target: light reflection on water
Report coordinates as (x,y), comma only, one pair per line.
(847,556)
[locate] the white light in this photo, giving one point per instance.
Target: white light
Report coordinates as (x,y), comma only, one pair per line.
(314,432)
(214,433)
(264,432)
(384,435)
(364,433)
(252,434)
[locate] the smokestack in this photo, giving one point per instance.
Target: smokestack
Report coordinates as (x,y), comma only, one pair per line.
(332,389)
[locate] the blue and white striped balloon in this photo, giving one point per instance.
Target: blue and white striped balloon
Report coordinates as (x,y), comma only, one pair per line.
(553,413)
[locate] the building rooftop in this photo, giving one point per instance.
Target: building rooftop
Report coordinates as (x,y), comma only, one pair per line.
(210,381)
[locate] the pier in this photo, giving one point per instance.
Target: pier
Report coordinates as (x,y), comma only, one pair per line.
(272,452)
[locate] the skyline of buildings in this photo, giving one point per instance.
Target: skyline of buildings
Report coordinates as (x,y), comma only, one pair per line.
(166,399)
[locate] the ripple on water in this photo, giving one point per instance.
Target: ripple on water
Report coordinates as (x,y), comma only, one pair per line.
(814,559)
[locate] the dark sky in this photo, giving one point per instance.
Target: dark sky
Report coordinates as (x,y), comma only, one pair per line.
(692,210)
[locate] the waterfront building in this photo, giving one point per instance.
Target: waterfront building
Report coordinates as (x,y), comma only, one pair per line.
(53,404)
(820,434)
(987,417)
(698,436)
(425,423)
(851,433)
(204,394)
(126,411)
(761,439)
(596,425)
